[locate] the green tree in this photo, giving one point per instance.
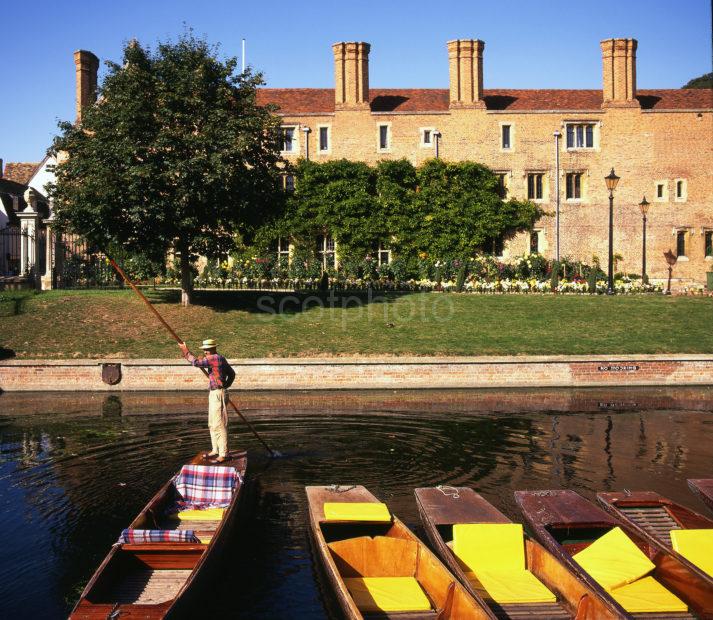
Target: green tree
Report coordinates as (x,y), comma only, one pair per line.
(175,156)
(702,81)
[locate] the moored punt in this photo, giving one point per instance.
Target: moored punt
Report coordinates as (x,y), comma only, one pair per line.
(442,509)
(376,567)
(639,577)
(666,523)
(703,488)
(156,568)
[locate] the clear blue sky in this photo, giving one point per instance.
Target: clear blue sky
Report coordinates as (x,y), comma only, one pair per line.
(529,44)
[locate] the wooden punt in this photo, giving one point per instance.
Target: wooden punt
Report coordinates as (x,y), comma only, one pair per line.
(566,523)
(575,599)
(703,488)
(159,580)
(653,516)
(388,549)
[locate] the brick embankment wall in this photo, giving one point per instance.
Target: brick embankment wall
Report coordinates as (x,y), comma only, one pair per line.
(365,373)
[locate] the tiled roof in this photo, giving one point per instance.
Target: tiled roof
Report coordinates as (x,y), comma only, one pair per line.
(321,100)
(19,172)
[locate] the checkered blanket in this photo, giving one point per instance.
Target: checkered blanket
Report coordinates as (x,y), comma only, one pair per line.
(153,536)
(202,486)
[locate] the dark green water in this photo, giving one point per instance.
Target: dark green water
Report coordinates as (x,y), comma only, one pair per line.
(75,469)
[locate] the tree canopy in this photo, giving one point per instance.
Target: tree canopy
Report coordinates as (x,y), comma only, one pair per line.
(702,81)
(176,155)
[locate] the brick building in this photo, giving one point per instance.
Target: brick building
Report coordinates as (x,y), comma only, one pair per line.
(660,142)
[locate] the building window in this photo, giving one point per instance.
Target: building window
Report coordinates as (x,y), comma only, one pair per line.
(681,190)
(383,254)
(534,186)
(505,142)
(427,134)
(681,243)
(574,186)
(498,246)
(580,135)
(502,184)
(287,139)
(324,139)
(535,242)
(327,251)
(384,138)
(708,243)
(288,182)
(661,192)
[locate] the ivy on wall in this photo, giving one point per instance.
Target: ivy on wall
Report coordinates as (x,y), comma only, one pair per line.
(438,209)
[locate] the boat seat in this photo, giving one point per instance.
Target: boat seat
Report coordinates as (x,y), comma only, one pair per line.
(207,514)
(614,560)
(356,511)
(387,594)
(647,596)
(137,537)
(493,556)
(381,556)
(696,546)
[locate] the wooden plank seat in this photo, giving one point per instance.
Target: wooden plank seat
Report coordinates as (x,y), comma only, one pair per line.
(148,586)
(654,519)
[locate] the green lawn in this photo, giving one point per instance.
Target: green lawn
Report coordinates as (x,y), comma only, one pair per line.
(65,324)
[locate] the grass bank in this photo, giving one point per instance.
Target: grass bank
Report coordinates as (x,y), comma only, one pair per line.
(65,324)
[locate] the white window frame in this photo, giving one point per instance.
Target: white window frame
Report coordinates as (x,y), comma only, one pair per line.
(323,252)
(582,185)
(686,242)
(511,148)
(684,194)
(540,239)
(388,138)
(328,150)
(283,248)
(422,135)
(595,125)
(381,249)
(295,140)
(545,186)
(663,198)
(285,175)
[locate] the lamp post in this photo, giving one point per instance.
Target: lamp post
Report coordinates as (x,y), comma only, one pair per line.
(306,129)
(436,137)
(644,206)
(557,135)
(611,180)
(671,259)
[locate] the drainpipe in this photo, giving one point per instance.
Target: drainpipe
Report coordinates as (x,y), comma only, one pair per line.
(306,130)
(557,135)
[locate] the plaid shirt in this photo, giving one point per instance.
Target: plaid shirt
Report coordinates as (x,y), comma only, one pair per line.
(220,373)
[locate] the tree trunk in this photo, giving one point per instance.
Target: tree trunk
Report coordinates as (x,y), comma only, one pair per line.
(186,279)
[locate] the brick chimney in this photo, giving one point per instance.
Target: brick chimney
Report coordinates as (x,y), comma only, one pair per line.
(619,73)
(86,65)
(351,75)
(465,68)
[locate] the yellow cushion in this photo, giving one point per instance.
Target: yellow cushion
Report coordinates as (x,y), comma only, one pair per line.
(356,511)
(696,546)
(387,594)
(614,560)
(647,595)
(489,546)
(513,586)
(209,514)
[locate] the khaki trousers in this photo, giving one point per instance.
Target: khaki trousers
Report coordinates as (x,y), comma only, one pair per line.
(218,422)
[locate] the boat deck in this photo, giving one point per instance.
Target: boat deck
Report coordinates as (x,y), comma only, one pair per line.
(653,519)
(148,586)
(522,611)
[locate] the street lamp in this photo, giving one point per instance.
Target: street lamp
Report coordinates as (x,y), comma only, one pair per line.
(306,129)
(611,181)
(644,206)
(436,136)
(671,259)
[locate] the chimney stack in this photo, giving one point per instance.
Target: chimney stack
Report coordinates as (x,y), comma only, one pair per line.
(86,65)
(619,73)
(465,68)
(1,169)
(351,75)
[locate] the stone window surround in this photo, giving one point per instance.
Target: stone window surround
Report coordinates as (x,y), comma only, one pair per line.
(511,148)
(596,124)
(295,139)
(541,244)
(328,150)
(507,179)
(663,198)
(421,143)
(584,181)
(689,235)
(704,231)
(388,137)
(684,195)
(545,185)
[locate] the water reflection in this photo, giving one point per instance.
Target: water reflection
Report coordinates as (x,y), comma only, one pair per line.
(75,468)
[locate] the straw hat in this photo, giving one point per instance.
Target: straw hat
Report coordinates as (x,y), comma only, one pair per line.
(209,344)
